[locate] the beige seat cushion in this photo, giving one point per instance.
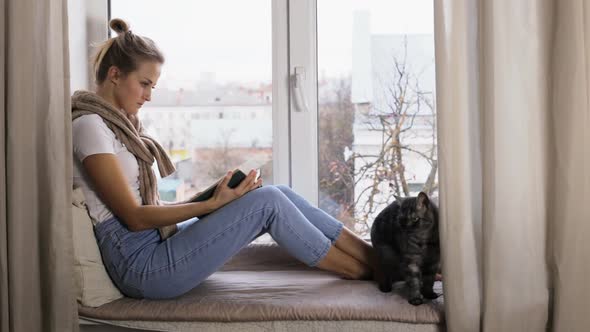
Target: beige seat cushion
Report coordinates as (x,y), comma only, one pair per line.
(94,286)
(264,283)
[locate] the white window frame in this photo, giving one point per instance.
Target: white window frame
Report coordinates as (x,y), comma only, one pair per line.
(304,124)
(295,132)
(281,149)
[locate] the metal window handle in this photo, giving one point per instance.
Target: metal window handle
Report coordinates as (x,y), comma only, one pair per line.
(298,88)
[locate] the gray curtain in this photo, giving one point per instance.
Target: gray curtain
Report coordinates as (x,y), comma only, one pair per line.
(513,103)
(36,259)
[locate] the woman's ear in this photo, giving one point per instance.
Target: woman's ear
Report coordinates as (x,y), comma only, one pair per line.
(114,75)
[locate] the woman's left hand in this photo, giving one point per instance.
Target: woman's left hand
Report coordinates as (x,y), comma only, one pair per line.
(224,194)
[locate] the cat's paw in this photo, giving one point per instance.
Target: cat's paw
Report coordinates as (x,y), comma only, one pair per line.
(385,288)
(430,295)
(417,300)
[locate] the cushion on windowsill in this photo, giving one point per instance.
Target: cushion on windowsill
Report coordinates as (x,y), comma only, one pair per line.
(94,287)
(263,283)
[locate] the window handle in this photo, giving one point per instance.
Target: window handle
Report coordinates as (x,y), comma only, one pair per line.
(298,88)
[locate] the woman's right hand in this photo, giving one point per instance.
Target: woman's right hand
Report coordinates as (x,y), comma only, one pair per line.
(224,194)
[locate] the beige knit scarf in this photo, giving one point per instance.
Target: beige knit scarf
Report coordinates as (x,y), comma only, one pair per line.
(129,132)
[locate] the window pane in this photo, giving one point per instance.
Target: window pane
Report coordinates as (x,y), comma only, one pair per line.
(211,109)
(376,87)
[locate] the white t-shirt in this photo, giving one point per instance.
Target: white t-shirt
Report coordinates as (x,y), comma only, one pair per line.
(92,136)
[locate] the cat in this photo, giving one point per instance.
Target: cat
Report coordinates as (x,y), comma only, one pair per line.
(406,243)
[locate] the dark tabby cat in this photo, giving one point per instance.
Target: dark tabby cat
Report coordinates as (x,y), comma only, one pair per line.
(405,239)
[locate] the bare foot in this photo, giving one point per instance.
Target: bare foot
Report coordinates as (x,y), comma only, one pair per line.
(364,274)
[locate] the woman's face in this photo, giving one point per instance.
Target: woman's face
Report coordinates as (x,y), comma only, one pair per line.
(134,89)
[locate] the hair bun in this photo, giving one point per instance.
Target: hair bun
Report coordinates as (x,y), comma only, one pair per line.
(119,26)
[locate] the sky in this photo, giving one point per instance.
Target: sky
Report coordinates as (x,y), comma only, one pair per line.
(232,39)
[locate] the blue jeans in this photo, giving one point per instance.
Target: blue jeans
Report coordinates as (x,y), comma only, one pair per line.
(144,266)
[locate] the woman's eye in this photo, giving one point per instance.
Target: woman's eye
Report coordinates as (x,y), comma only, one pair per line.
(416,219)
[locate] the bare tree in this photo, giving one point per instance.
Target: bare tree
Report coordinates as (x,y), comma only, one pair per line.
(404,104)
(404,112)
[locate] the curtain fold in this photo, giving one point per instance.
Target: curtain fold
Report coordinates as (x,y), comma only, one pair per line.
(515,54)
(460,163)
(513,111)
(36,258)
(570,166)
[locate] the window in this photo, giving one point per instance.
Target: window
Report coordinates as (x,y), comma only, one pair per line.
(376,109)
(346,139)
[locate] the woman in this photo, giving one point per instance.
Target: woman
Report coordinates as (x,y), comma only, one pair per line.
(113,161)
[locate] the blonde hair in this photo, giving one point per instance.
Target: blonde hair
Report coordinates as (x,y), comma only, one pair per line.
(125,51)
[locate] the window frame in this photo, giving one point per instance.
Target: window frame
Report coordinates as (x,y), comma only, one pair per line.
(304,124)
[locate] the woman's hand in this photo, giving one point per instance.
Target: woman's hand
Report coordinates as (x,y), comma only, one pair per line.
(224,194)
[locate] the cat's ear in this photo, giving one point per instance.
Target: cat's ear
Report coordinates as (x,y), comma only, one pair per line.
(422,201)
